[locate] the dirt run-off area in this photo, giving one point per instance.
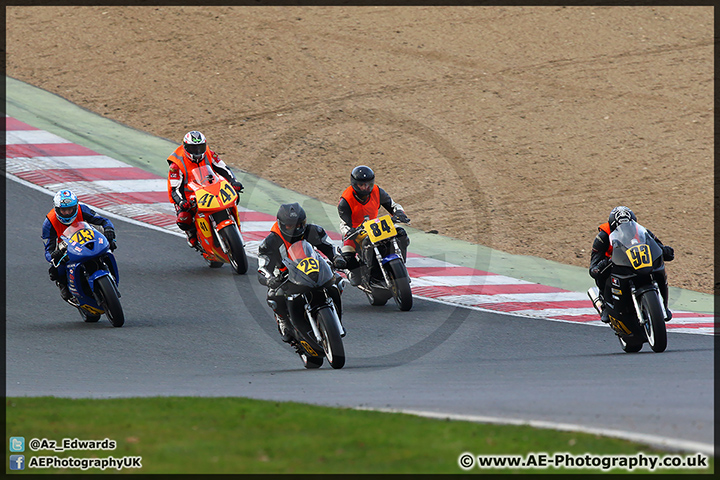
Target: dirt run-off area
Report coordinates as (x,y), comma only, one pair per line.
(514,127)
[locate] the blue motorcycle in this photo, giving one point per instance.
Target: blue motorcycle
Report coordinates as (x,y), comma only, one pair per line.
(92,274)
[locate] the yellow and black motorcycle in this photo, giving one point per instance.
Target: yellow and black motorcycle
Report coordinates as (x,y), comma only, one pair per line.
(634,302)
(383,272)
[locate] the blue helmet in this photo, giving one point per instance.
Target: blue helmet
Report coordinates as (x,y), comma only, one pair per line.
(66,206)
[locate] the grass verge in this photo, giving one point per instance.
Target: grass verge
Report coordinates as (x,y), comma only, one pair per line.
(242,436)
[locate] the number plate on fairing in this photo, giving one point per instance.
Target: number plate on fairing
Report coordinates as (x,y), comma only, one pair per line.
(380,228)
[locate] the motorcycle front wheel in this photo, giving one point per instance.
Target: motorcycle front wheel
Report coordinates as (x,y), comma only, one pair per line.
(331,343)
(653,313)
(237,255)
(400,287)
(109,301)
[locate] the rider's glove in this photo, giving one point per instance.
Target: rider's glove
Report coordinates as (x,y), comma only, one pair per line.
(57,255)
(274,282)
(237,186)
(339,262)
(597,269)
(185,205)
(110,235)
(668,253)
(53,272)
(402,218)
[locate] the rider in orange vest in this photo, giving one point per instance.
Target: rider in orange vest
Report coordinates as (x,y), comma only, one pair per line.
(68,211)
(191,153)
(602,252)
(291,226)
(361,201)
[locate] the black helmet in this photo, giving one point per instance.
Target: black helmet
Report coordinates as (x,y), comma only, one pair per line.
(620,215)
(195,145)
(292,221)
(362,180)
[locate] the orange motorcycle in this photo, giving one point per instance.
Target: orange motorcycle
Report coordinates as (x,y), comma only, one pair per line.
(216,219)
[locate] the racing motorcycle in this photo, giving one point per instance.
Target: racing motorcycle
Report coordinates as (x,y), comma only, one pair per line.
(92,274)
(316,329)
(382,266)
(216,219)
(635,304)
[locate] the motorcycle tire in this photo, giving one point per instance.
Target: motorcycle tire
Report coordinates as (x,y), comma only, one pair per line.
(109,301)
(378,297)
(87,316)
(237,255)
(212,264)
(331,342)
(630,347)
(400,287)
(653,312)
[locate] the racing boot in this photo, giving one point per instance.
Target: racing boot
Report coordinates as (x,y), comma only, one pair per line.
(283,328)
(354,277)
(64,291)
(192,239)
(604,316)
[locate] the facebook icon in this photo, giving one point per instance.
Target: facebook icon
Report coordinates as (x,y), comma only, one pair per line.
(17,462)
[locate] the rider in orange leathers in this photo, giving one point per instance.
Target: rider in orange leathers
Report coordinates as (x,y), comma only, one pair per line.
(190,154)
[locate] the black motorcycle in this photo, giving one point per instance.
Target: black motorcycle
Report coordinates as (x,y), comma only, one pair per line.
(312,290)
(635,304)
(382,265)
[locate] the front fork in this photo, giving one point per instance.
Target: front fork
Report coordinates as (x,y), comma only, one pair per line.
(638,312)
(313,323)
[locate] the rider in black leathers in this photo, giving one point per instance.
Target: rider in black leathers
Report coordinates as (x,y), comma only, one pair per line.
(600,258)
(289,228)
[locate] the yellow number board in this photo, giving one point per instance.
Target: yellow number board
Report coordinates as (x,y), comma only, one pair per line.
(83,236)
(640,256)
(208,200)
(308,266)
(380,228)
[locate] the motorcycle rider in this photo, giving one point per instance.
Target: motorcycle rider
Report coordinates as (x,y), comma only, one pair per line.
(600,264)
(291,226)
(68,211)
(192,153)
(360,200)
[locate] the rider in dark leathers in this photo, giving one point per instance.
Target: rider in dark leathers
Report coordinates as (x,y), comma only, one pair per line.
(291,226)
(601,252)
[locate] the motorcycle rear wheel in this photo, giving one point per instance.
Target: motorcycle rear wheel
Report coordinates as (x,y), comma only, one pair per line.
(331,342)
(87,316)
(630,347)
(653,312)
(378,297)
(213,264)
(237,255)
(109,301)
(311,362)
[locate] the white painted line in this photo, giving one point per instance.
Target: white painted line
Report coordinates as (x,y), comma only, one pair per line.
(427,262)
(255,226)
(137,209)
(466,280)
(105,186)
(551,312)
(26,137)
(515,297)
(24,164)
(652,440)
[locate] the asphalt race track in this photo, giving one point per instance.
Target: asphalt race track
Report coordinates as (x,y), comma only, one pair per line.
(195,331)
